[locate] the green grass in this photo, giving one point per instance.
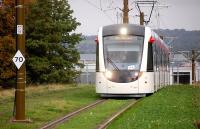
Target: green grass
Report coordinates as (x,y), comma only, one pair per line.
(93,117)
(45,104)
(175,107)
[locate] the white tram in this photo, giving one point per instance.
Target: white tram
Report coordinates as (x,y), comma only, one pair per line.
(131,60)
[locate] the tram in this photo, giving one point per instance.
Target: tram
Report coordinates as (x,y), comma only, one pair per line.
(131,61)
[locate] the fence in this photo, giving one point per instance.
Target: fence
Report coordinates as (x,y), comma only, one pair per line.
(88,75)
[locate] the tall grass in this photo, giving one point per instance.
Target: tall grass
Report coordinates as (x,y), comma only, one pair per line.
(45,103)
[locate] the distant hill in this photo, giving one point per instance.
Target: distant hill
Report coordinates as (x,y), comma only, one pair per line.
(184,41)
(87,45)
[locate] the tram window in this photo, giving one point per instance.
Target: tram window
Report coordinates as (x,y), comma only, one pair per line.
(161,58)
(123,52)
(150,58)
(158,56)
(97,57)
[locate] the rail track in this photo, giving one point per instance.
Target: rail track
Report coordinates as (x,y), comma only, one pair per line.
(65,118)
(115,115)
(102,125)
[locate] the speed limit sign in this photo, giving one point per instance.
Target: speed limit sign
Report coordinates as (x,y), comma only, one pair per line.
(18,59)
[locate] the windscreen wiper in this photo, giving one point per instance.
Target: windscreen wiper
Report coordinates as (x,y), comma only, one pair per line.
(113,64)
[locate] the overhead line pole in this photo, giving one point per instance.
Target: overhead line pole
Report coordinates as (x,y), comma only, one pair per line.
(125,12)
(193,59)
(146,4)
(21,77)
(141,18)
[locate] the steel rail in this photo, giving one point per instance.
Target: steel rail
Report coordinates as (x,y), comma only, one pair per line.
(65,118)
(115,115)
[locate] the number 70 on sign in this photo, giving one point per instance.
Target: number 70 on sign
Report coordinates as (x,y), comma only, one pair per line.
(19,59)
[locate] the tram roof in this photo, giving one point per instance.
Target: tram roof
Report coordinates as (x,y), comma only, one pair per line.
(132,29)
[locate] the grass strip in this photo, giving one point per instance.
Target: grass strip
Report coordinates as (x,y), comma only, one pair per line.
(93,117)
(46,103)
(174,107)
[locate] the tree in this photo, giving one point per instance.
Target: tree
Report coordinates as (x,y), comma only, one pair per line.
(7,43)
(52,55)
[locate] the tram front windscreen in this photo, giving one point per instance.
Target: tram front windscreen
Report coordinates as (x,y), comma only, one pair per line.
(122,56)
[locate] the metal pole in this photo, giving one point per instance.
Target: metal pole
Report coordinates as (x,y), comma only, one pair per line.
(87,73)
(193,67)
(178,74)
(21,77)
(141,18)
(117,17)
(125,12)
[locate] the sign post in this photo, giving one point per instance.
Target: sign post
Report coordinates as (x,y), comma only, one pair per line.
(19,59)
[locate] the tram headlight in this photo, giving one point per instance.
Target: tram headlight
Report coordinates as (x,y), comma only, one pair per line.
(123,31)
(108,74)
(136,74)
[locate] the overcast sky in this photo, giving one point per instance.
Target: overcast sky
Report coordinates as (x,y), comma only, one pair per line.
(180,14)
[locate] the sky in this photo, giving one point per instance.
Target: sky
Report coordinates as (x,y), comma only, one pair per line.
(167,14)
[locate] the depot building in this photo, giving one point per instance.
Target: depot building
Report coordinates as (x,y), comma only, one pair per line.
(181,70)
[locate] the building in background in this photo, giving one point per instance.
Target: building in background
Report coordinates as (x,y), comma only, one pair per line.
(181,69)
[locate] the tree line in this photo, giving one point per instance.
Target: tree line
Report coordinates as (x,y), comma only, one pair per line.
(51,54)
